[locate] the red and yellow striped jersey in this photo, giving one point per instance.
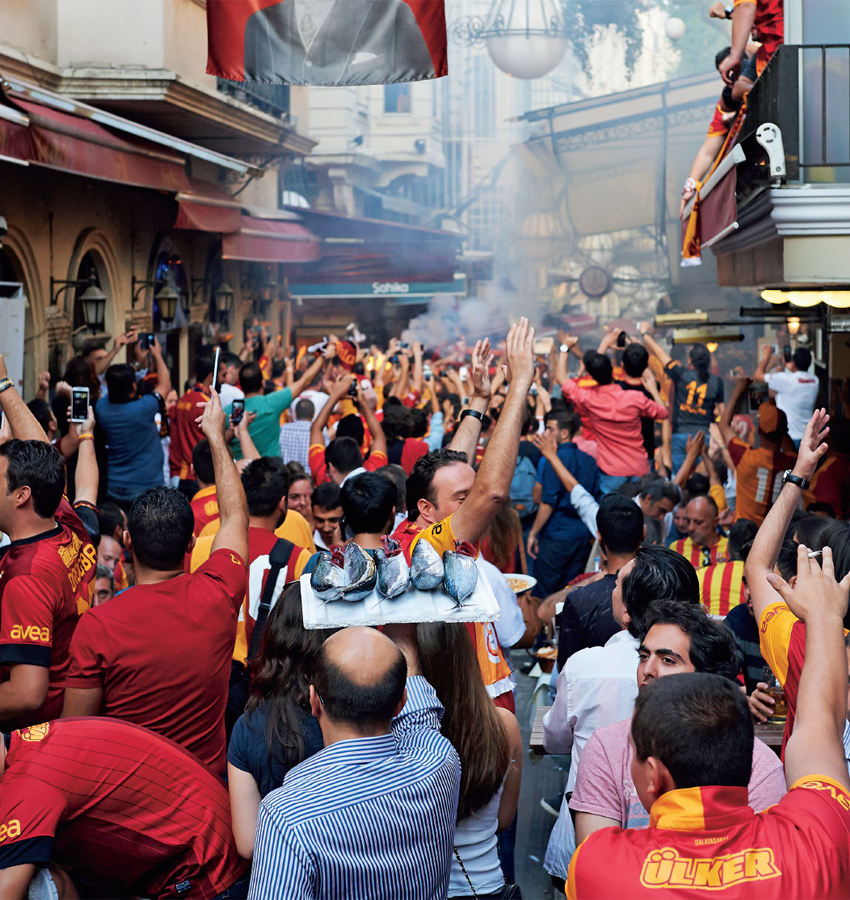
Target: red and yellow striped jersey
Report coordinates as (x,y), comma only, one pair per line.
(721,586)
(700,557)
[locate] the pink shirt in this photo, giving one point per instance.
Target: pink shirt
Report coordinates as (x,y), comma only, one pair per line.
(615,415)
(604,786)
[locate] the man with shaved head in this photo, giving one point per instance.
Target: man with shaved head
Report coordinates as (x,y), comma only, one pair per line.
(372,815)
(704,545)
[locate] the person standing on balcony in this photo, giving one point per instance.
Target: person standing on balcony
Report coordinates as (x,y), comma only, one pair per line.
(766,17)
(796,389)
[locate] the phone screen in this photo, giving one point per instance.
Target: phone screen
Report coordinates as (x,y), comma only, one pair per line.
(79,404)
(236,412)
(146,341)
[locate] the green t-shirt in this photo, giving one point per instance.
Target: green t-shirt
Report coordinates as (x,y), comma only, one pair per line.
(265,429)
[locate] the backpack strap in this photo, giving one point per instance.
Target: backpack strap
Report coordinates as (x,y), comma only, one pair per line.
(279,559)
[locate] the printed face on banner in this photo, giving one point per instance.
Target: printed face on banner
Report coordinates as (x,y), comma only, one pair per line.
(327,42)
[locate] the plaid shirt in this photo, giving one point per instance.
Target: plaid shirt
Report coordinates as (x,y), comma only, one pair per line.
(295,442)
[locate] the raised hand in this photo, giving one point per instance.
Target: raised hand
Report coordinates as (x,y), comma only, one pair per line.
(519,357)
(213,420)
(812,446)
(816,590)
(546,444)
(482,359)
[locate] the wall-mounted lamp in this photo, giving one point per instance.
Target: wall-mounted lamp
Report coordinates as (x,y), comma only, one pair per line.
(166,297)
(793,325)
(93,300)
(806,299)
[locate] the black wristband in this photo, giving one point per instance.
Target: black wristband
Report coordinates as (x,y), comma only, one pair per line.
(472,412)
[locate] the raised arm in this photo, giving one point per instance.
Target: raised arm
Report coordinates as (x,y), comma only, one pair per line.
(232,506)
(418,379)
(491,487)
(86,476)
(652,345)
(466,434)
(129,337)
(22,422)
(308,377)
(246,444)
(583,501)
(765,550)
(163,377)
(694,448)
(335,393)
(815,747)
(741,386)
(761,368)
(379,440)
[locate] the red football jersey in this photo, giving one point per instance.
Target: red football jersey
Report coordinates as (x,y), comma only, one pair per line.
(118,806)
(185,433)
(161,653)
(706,842)
(769,25)
(44,582)
(205,509)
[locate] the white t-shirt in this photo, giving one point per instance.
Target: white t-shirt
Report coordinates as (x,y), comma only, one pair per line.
(317,398)
(228,393)
(796,393)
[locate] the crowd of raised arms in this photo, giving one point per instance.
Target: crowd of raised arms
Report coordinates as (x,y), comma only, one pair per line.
(171,727)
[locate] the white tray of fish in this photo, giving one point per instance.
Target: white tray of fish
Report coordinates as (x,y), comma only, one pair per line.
(350,588)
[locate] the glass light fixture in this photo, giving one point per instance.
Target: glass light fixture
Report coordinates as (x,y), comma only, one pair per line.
(771,296)
(224,297)
(804,298)
(93,303)
(167,299)
(836,299)
(525,38)
(793,325)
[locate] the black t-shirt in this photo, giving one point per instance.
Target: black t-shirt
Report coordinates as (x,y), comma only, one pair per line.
(587,619)
(249,752)
(693,401)
(647,425)
(742,624)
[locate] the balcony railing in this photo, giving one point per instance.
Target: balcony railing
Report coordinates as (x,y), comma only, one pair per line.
(805,92)
(272,99)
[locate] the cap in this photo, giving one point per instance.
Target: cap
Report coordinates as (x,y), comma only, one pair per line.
(346,353)
(772,419)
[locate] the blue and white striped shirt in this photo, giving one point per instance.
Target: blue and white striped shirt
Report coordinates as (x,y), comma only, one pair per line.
(367,818)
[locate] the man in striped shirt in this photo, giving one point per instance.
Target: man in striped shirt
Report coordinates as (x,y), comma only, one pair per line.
(372,815)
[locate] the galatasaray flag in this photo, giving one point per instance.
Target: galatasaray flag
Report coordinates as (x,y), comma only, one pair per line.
(333,42)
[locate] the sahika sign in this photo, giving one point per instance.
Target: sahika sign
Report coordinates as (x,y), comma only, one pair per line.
(390,287)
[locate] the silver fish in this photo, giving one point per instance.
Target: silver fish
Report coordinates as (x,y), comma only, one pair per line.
(461,572)
(426,567)
(361,573)
(393,570)
(328,578)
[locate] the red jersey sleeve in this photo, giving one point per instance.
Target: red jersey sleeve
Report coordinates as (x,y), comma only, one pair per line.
(30,812)
(737,449)
(88,653)
(318,467)
(375,461)
(719,126)
(26,621)
(227,569)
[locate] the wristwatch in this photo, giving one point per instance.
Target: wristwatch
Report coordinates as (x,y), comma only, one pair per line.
(729,10)
(5,384)
(789,477)
(472,412)
(564,348)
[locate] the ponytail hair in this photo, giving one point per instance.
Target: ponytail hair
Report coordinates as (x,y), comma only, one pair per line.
(701,361)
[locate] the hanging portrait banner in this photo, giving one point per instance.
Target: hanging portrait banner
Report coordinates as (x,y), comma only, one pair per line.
(327,42)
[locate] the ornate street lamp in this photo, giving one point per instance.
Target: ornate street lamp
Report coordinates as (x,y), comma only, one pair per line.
(166,300)
(93,304)
(525,38)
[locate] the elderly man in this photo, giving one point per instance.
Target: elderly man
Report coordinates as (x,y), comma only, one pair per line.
(704,545)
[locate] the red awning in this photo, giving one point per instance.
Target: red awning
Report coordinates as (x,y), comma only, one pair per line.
(69,143)
(267,240)
(206,207)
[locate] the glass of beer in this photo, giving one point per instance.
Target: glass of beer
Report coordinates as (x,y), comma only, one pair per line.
(775,690)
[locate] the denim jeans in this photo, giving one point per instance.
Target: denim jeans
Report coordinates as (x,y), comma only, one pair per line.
(608,484)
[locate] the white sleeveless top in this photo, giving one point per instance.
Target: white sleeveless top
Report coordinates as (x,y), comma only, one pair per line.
(475,839)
